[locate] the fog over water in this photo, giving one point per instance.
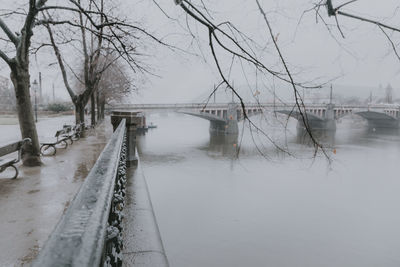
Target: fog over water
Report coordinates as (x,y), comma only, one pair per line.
(217,210)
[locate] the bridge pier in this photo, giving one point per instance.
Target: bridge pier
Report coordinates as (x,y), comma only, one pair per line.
(328,122)
(230,126)
(134,121)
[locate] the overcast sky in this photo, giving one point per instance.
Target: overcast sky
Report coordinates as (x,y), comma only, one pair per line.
(364,59)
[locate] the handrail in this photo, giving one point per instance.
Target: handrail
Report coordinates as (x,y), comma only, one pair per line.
(80,237)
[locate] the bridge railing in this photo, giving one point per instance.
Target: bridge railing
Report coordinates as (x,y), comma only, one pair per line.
(249,106)
(195,106)
(89,233)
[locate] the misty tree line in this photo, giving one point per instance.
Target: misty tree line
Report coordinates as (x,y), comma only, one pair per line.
(108,46)
(7,97)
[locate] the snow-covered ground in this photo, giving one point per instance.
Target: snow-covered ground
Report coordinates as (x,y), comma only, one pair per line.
(32,204)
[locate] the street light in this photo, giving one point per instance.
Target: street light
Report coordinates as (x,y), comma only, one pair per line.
(35,88)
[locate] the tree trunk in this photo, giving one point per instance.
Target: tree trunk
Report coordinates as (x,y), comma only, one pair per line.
(92,110)
(20,79)
(98,105)
(103,103)
(79,113)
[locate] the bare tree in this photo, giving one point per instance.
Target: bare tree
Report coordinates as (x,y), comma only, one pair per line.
(102,36)
(79,98)
(18,62)
(115,86)
(17,58)
(90,53)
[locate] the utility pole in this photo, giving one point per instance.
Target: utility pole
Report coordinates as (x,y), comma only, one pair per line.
(40,88)
(330,97)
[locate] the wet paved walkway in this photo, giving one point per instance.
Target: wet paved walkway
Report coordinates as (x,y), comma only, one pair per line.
(31,205)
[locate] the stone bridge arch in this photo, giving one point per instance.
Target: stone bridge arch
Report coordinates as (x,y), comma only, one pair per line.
(380,119)
(316,119)
(222,121)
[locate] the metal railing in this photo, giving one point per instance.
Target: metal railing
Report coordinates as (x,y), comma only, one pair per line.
(90,231)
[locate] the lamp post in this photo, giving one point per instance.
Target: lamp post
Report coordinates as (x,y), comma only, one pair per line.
(35,88)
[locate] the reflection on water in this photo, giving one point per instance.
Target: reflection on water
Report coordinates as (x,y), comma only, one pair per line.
(324,137)
(359,136)
(382,131)
(215,211)
(222,145)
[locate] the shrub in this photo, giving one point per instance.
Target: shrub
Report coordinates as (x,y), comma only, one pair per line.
(58,107)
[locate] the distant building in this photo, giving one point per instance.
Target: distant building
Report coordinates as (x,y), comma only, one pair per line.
(389,94)
(386,95)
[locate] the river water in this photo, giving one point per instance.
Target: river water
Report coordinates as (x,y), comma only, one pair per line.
(216,209)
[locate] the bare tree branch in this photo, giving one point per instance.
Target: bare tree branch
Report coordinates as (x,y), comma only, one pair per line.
(298,99)
(5,57)
(332,11)
(13,38)
(391,42)
(61,64)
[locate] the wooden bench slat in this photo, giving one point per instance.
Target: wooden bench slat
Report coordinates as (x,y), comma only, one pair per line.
(10,148)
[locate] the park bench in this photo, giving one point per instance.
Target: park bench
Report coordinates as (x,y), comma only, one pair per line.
(74,132)
(9,149)
(62,136)
(69,132)
(78,129)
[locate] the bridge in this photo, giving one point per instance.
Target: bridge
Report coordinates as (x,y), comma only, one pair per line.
(224,117)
